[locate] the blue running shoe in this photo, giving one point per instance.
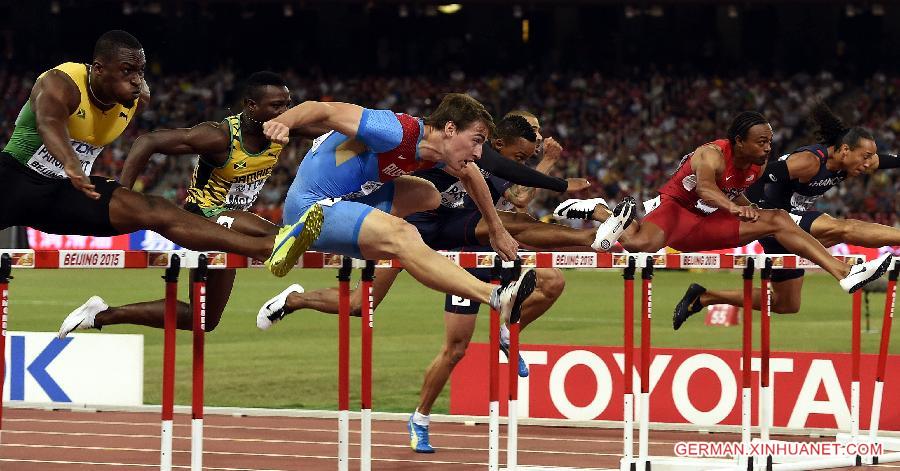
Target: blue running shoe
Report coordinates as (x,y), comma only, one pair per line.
(418,437)
(523,367)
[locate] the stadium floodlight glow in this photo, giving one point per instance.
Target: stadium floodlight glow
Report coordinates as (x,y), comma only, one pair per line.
(517,11)
(54,7)
(877,9)
(449,8)
(850,11)
(288,10)
(403,11)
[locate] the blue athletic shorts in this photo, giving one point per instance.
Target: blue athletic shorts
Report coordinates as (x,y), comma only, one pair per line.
(447,229)
(343,219)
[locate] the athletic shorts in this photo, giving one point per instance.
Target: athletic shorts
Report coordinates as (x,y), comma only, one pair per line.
(770,244)
(447,229)
(53,205)
(458,305)
(689,230)
(343,218)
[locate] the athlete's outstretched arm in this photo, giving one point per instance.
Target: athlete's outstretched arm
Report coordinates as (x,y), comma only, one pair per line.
(341,117)
(707,163)
(884,162)
(208,139)
(54,98)
(476,187)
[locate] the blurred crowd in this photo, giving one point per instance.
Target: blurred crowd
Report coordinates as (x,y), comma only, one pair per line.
(624,134)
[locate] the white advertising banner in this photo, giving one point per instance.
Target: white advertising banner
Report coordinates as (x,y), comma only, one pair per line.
(82,368)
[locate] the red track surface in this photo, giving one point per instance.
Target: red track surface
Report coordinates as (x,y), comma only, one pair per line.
(42,440)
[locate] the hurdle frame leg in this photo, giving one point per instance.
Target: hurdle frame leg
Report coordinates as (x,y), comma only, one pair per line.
(168,393)
(344,363)
(5,269)
(494,369)
(367,312)
(199,332)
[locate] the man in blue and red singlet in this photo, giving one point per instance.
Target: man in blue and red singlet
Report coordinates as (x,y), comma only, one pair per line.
(703,207)
(359,172)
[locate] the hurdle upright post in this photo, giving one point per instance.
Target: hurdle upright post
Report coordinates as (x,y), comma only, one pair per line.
(878,391)
(494,369)
(198,290)
(854,374)
(512,409)
(367,312)
(765,398)
(5,269)
(344,363)
(168,393)
(646,315)
(628,367)
(746,393)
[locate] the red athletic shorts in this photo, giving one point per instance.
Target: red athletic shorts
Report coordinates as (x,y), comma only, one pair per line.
(690,230)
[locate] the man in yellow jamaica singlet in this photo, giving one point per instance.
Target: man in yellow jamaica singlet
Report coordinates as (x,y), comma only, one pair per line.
(235,161)
(73,111)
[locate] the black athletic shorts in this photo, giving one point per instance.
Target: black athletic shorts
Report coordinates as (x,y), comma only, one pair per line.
(52,205)
(447,229)
(804,219)
(458,305)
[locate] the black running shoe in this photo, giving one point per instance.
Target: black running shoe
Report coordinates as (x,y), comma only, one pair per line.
(688,306)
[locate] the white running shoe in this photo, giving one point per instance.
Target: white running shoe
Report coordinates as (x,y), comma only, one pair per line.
(864,273)
(578,209)
(273,310)
(611,229)
(83,317)
(512,296)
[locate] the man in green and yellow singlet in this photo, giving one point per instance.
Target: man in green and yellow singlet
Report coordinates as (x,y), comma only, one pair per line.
(74,111)
(235,161)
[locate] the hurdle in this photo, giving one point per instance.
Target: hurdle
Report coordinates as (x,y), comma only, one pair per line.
(766,399)
(643,461)
(198,288)
(648,262)
(367,316)
(891,445)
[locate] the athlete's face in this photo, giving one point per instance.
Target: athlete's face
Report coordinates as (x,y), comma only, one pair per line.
(271,102)
(858,160)
(757,145)
(120,77)
(462,146)
(518,149)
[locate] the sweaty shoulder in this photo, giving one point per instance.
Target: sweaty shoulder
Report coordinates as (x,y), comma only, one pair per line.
(384,130)
(803,165)
(61,85)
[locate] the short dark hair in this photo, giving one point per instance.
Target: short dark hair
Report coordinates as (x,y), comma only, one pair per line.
(522,113)
(742,123)
(463,110)
(111,41)
(513,127)
(258,80)
(831,131)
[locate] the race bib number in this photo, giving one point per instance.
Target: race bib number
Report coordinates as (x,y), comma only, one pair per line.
(45,164)
(242,195)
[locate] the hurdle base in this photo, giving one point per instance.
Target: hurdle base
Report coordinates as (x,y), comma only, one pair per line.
(672,463)
(554,468)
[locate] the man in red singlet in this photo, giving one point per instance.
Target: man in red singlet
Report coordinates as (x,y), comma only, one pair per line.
(702,207)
